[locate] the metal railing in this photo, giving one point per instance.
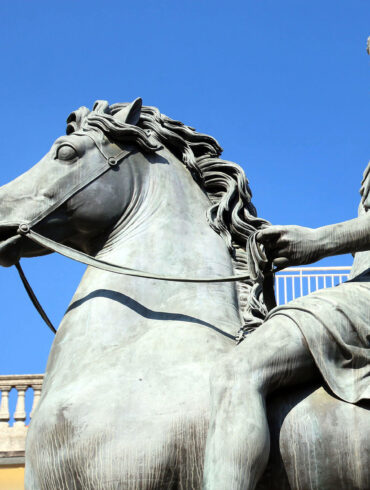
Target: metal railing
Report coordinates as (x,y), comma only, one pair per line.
(294,282)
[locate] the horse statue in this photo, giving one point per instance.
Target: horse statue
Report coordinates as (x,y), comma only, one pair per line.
(125,401)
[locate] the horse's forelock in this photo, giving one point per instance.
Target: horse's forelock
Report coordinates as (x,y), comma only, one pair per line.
(76,119)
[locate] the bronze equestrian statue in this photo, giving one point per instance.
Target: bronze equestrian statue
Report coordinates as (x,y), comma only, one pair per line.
(171,236)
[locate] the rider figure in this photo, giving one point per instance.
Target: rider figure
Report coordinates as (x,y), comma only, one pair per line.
(324,334)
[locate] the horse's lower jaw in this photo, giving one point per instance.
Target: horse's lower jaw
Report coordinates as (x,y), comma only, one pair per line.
(10,251)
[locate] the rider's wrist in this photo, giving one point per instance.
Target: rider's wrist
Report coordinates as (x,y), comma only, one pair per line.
(322,242)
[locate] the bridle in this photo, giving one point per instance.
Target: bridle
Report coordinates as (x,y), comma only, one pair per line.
(115,156)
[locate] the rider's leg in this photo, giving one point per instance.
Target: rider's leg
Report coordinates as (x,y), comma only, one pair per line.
(238,443)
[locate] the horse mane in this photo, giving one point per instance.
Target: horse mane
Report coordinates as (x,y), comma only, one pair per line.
(231,214)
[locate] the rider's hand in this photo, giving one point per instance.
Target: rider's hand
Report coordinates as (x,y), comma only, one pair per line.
(290,245)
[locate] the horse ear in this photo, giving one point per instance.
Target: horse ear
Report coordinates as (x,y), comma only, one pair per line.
(131,113)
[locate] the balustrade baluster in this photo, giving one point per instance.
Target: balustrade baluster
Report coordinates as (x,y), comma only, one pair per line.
(20,413)
(4,407)
(36,398)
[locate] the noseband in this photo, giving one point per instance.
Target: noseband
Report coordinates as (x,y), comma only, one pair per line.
(112,160)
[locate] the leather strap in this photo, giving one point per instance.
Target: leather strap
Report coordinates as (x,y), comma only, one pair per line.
(267,279)
(78,256)
(33,298)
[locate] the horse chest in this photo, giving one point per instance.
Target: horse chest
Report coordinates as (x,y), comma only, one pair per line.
(149,431)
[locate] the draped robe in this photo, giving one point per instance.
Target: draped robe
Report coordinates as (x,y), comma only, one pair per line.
(335,323)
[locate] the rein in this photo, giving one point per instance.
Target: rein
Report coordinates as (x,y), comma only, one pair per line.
(78,256)
(256,256)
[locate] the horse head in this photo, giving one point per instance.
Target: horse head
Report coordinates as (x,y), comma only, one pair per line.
(73,195)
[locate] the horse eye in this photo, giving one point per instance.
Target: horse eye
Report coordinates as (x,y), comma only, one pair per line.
(66,152)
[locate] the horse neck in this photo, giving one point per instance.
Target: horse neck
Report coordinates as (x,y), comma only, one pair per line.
(165,231)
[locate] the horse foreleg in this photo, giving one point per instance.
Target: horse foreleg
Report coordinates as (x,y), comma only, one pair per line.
(238,443)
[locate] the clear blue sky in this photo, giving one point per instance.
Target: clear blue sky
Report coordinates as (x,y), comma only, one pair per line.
(283,86)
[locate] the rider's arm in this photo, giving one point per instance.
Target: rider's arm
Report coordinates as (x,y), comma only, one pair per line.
(296,245)
(346,237)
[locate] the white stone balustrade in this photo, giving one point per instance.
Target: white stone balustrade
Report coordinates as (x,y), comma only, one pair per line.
(13,436)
